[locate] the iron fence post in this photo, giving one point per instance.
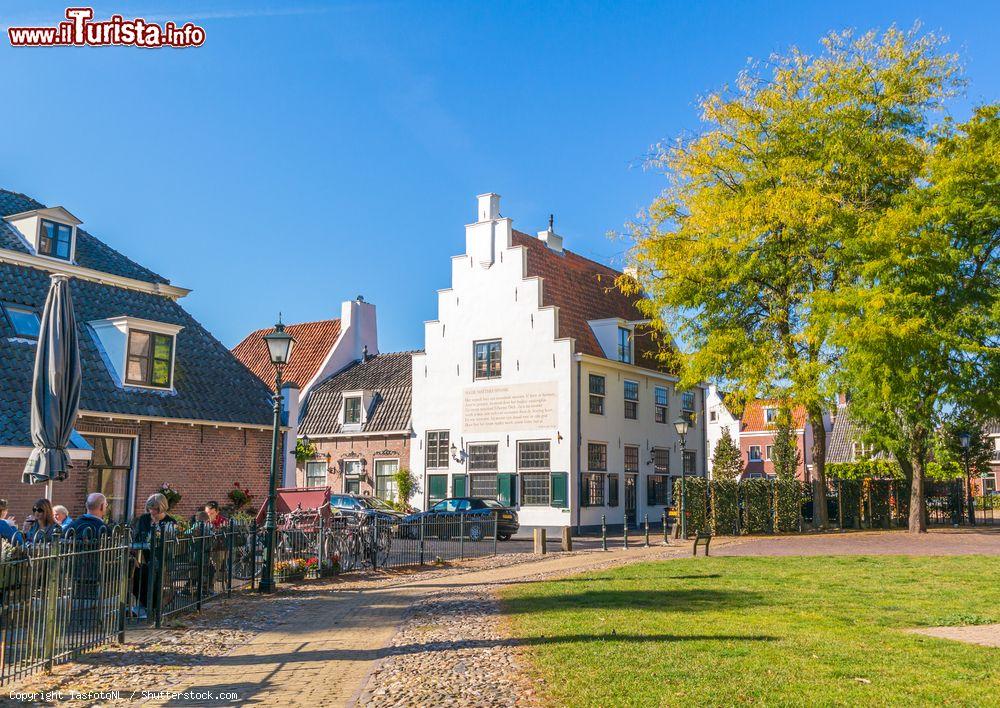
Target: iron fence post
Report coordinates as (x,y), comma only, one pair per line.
(320,545)
(52,567)
(461,536)
(253,554)
(645,523)
(229,557)
(161,566)
(625,534)
(123,586)
(664,529)
(496,530)
(604,532)
(201,564)
(421,540)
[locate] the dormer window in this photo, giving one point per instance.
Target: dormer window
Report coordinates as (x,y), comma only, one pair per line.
(150,359)
(625,345)
(50,231)
(770,415)
(23,321)
(139,352)
(352,410)
(54,239)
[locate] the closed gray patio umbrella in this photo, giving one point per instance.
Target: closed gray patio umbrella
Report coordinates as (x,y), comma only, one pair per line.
(55,388)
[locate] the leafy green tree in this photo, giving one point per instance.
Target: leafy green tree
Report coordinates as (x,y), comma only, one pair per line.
(785,453)
(761,207)
(406,486)
(727,461)
(950,459)
(919,330)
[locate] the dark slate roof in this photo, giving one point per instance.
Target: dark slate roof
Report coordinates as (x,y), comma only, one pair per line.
(211,384)
(993,427)
(840,444)
(388,376)
(90,252)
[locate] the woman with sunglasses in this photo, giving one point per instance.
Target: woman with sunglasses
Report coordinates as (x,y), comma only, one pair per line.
(43,522)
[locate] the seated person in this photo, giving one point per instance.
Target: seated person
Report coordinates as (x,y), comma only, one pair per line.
(91,525)
(62,515)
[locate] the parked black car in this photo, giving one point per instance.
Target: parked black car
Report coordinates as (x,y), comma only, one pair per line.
(443,519)
(357,504)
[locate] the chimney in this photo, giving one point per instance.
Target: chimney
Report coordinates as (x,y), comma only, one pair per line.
(489,206)
(550,238)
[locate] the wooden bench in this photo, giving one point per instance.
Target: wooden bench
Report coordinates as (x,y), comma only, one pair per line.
(702,538)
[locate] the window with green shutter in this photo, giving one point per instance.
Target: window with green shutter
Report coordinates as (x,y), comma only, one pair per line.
(437,487)
(560,490)
(458,486)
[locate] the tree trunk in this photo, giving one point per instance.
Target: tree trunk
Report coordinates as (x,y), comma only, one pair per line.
(820,520)
(918,514)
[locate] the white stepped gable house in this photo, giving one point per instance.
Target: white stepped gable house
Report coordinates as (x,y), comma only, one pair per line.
(536,387)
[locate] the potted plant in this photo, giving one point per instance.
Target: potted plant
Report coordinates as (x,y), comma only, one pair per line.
(239,497)
(289,570)
(172,495)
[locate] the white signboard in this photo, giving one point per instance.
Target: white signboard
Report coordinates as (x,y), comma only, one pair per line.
(510,408)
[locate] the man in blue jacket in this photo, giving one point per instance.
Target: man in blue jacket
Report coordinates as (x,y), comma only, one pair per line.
(91,524)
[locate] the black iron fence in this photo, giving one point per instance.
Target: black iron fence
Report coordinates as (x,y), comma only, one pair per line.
(59,599)
(62,597)
(767,506)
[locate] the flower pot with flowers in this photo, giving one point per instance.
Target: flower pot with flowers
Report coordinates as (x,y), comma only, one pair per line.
(312,568)
(239,497)
(331,566)
(172,495)
(294,569)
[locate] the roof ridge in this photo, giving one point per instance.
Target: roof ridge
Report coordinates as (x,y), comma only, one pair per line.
(575,254)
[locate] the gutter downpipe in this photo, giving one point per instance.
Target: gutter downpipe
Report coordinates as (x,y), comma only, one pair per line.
(579,442)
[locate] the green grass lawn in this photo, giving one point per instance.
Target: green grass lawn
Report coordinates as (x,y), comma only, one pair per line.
(787,631)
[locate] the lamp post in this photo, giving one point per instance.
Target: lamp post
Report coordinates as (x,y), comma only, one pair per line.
(279,348)
(965,439)
(681,426)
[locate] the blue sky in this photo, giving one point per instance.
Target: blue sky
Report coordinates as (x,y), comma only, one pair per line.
(310,152)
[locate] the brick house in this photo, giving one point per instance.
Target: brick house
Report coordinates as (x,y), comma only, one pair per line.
(162,400)
(990,484)
(359,420)
(754,430)
(321,349)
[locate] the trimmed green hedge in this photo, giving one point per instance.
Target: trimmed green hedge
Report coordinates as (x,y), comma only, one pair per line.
(788,496)
(725,501)
(757,514)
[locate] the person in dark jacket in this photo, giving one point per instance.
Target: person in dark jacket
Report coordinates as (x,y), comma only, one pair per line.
(91,525)
(9,533)
(43,522)
(156,516)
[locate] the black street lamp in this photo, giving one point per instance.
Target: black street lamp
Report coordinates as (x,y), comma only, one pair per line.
(964,440)
(279,348)
(681,426)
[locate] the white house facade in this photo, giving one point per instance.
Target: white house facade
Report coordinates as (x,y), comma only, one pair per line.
(536,387)
(720,419)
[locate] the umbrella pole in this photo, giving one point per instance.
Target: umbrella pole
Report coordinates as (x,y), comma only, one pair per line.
(48,489)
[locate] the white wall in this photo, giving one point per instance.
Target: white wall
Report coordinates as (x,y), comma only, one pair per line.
(724,419)
(492,301)
(644,432)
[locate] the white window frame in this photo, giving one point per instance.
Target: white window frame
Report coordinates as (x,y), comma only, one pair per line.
(350,395)
(770,414)
(750,454)
(375,474)
(768,449)
(326,473)
(475,362)
(626,400)
(626,354)
(665,405)
(108,330)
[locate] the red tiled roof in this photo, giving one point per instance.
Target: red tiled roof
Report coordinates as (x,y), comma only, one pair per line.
(585,290)
(313,342)
(753,415)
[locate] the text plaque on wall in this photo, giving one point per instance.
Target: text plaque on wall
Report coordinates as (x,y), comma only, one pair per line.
(509,408)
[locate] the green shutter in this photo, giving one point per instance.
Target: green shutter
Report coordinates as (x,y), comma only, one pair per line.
(437,487)
(459,485)
(505,489)
(650,491)
(560,490)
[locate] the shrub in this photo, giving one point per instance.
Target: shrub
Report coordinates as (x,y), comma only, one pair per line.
(695,502)
(239,497)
